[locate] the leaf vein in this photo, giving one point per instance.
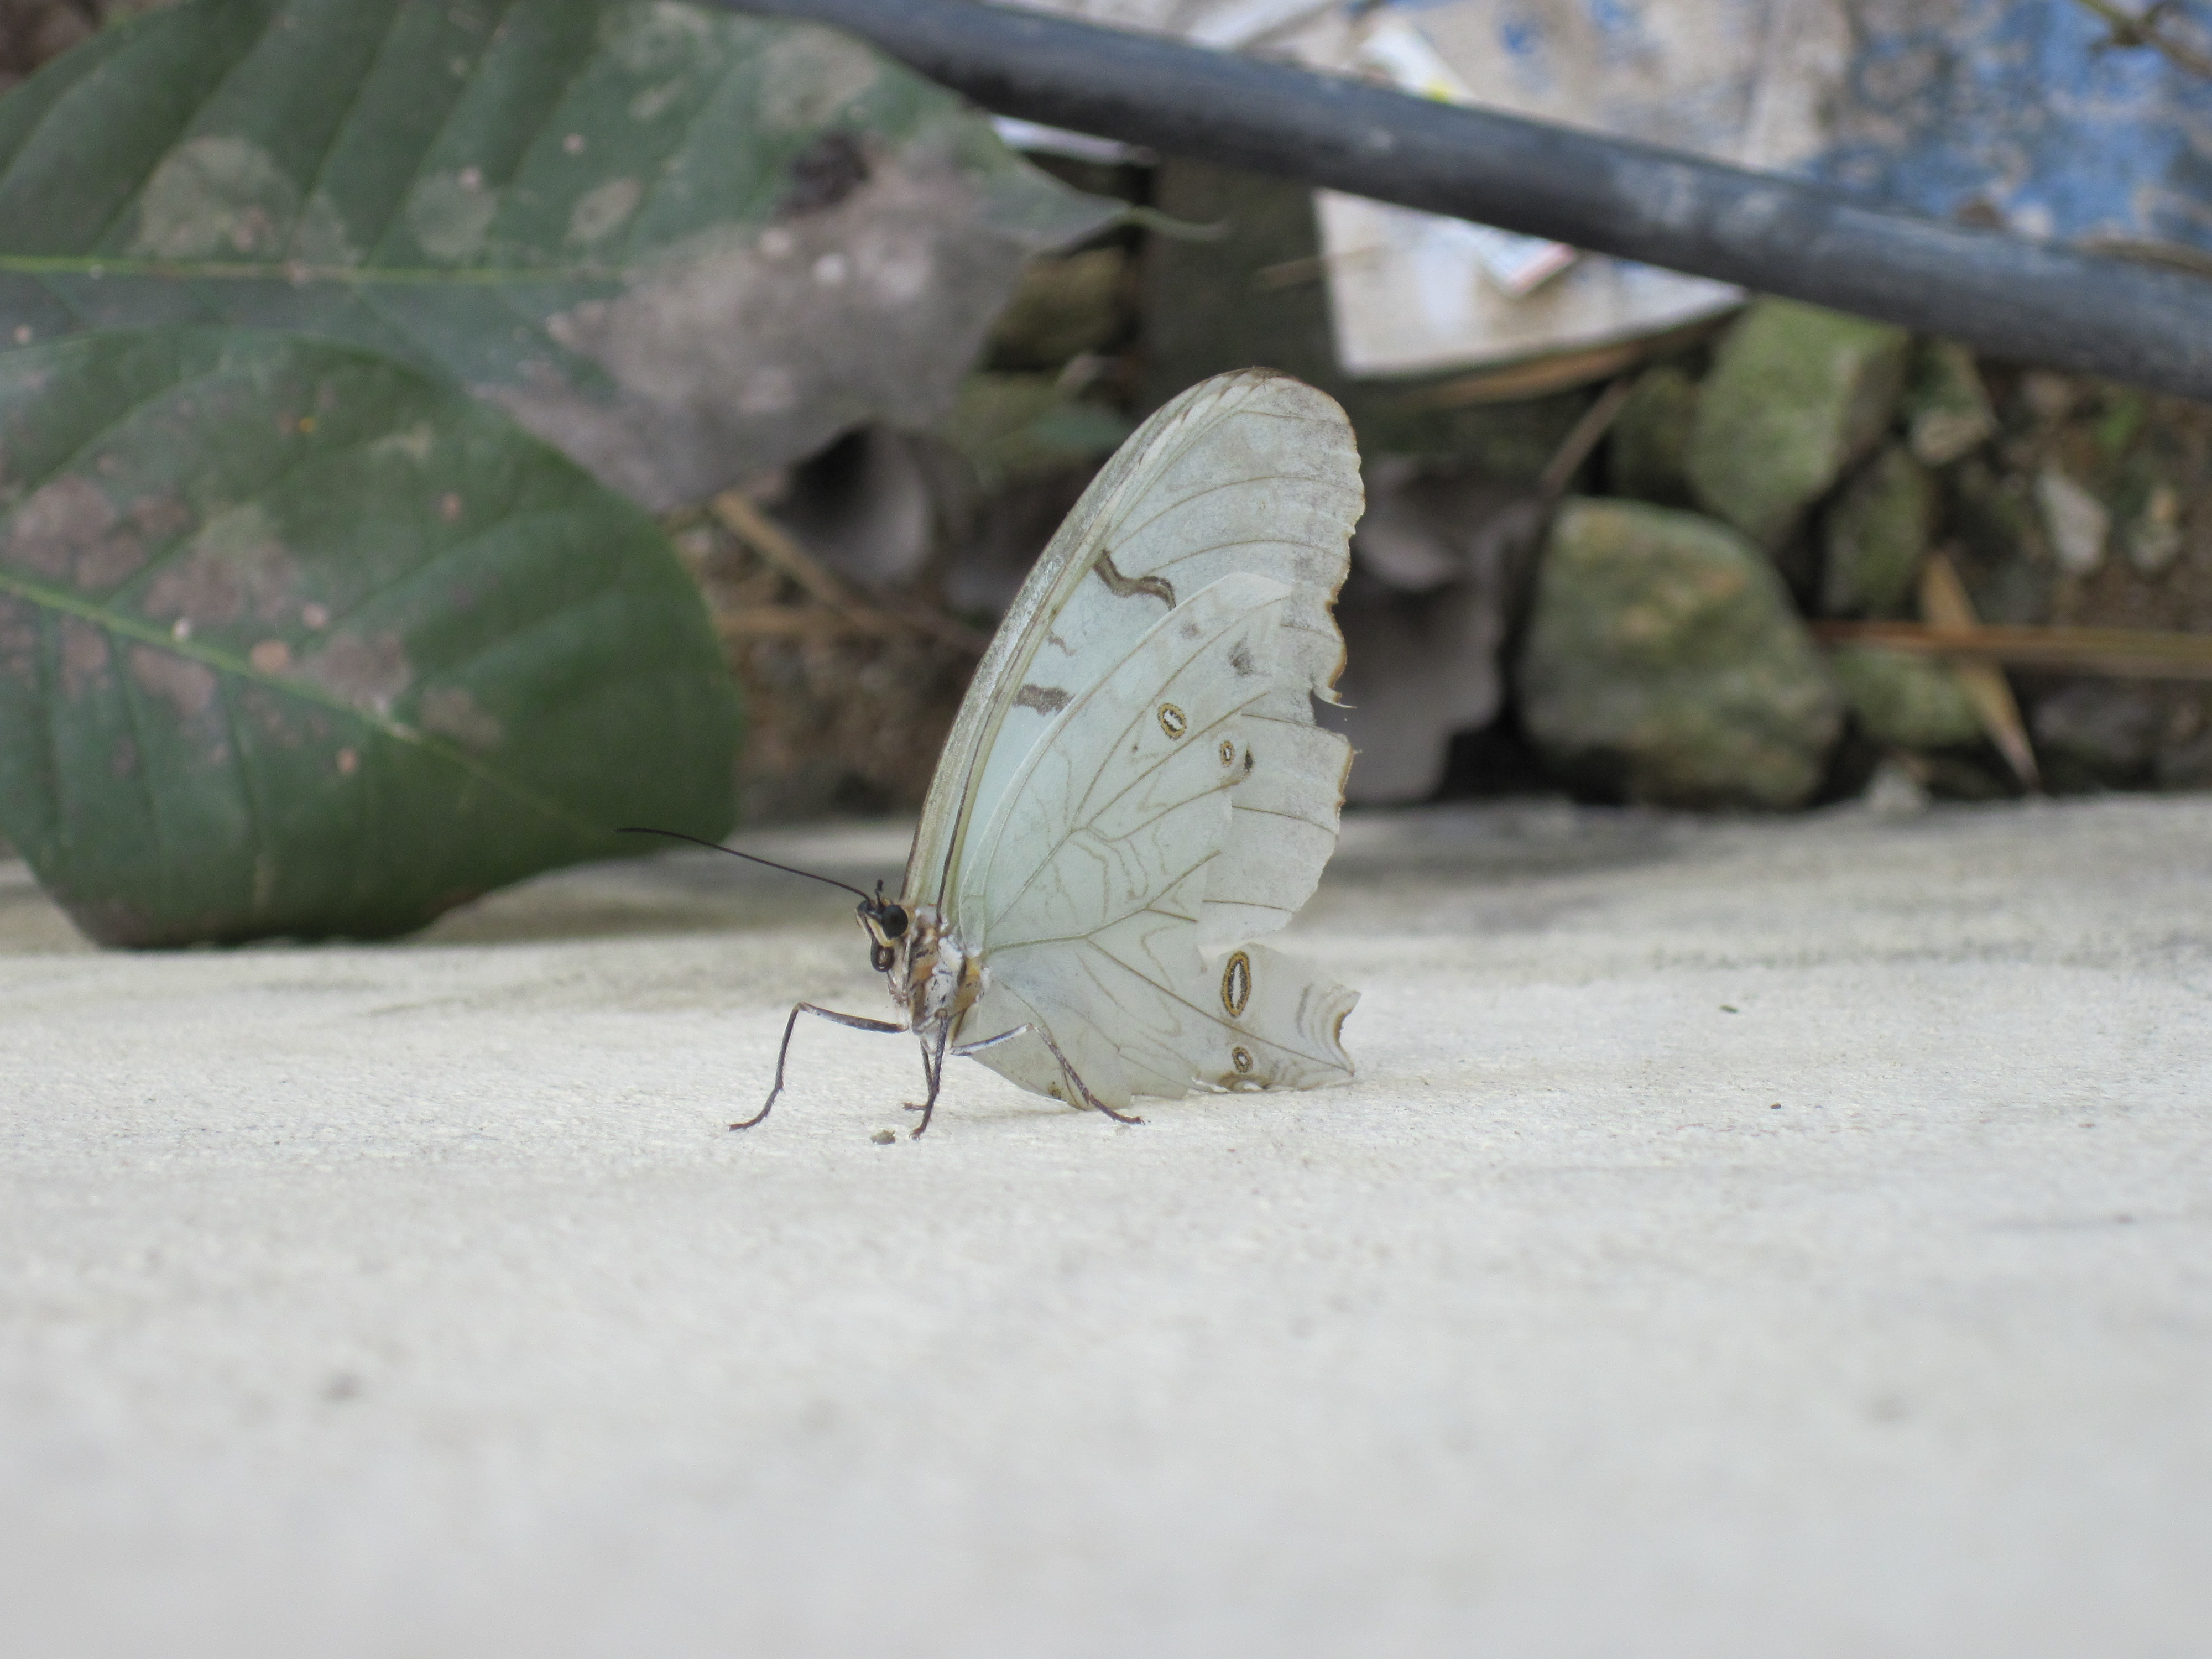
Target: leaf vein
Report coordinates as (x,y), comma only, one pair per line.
(338,127)
(224,662)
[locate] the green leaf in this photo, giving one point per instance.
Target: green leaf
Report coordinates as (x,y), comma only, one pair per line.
(294,641)
(682,245)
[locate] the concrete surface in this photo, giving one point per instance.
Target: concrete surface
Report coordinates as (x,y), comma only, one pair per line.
(1783,1238)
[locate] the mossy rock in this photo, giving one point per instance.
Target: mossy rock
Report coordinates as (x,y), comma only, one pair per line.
(1875,535)
(1946,410)
(1665,663)
(1904,701)
(1796,396)
(1650,438)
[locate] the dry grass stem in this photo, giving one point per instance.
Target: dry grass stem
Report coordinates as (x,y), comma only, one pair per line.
(1944,605)
(737,513)
(2119,652)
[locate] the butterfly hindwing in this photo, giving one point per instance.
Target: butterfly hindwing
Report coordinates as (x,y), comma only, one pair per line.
(1278,1023)
(1282,823)
(1172,1028)
(1099,864)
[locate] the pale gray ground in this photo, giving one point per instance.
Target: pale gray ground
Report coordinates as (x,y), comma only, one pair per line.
(414,1301)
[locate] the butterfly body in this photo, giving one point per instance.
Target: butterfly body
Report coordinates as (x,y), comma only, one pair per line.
(1135,786)
(934,980)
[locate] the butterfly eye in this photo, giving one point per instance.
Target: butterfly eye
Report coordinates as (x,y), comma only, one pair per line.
(892,920)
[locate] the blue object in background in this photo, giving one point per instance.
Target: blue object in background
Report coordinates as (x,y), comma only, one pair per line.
(2018,112)
(2022,111)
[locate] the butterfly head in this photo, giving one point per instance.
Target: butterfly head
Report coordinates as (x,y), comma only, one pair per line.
(886,923)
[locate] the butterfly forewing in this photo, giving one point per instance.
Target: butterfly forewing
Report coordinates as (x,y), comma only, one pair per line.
(1127,795)
(1251,472)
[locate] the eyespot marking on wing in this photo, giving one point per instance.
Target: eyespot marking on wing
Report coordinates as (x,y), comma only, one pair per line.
(1228,752)
(1173,721)
(1236,991)
(1242,1060)
(1045,699)
(1121,587)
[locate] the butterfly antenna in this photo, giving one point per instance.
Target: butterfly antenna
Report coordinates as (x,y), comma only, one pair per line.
(715,846)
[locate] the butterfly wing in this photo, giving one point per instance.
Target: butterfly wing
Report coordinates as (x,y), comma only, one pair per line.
(1250,472)
(1089,891)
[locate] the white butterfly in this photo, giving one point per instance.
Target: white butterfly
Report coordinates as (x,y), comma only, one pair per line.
(1135,786)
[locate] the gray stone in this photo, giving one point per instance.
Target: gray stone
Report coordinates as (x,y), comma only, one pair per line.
(2050,396)
(1417,670)
(1664,661)
(2101,733)
(2007,563)
(1423,616)
(1895,791)
(2185,757)
(1875,535)
(1644,452)
(1905,701)
(866,507)
(1796,395)
(1946,407)
(2125,734)
(2077,522)
(2155,536)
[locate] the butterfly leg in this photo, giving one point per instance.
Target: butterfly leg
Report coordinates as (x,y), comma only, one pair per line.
(857,1022)
(928,1077)
(1075,1078)
(931,1064)
(933,1069)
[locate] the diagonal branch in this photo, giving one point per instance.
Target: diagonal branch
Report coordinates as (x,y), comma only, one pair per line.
(736,513)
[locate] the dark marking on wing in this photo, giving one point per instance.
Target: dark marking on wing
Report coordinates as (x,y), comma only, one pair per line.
(1123,588)
(1045,699)
(1240,659)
